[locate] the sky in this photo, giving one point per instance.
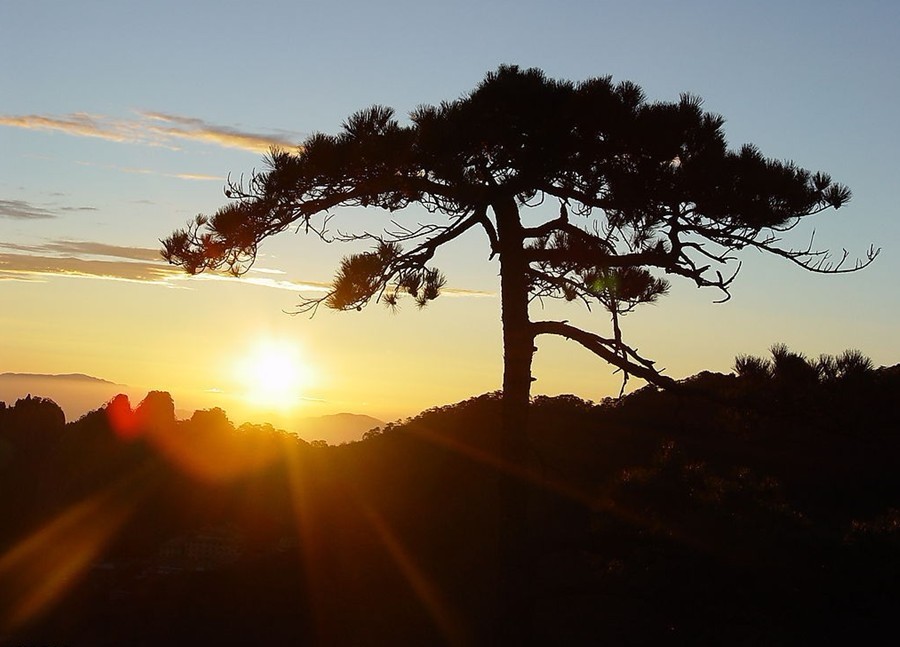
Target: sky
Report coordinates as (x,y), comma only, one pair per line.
(120,121)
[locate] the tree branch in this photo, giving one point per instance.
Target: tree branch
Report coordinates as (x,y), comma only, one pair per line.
(614,352)
(550,226)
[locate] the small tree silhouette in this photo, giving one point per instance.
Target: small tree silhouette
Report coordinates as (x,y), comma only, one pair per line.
(790,367)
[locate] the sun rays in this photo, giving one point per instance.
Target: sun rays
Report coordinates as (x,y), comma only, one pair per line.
(42,567)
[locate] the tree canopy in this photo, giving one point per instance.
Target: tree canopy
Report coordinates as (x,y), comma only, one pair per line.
(645,190)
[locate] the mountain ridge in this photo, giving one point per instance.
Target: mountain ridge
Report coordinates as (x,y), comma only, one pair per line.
(81,377)
(336,428)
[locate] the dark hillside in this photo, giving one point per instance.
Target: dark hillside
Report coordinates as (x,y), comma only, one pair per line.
(751,509)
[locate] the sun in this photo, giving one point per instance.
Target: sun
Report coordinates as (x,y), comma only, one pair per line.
(274,374)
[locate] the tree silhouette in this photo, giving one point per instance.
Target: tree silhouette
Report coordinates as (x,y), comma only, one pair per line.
(637,190)
(788,366)
(642,189)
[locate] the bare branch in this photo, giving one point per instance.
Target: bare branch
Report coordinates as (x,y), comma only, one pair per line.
(817,261)
(612,351)
(550,226)
(491,232)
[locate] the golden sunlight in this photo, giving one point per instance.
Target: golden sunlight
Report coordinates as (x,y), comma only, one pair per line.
(273,374)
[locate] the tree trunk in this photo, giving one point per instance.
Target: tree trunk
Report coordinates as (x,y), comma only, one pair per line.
(518,347)
(518,339)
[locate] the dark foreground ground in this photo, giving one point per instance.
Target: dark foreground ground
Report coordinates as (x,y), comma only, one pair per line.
(753,511)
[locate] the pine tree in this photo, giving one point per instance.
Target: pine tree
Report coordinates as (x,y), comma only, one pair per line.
(645,190)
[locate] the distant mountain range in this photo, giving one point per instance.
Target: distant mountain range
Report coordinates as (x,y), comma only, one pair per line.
(78,394)
(67,377)
(337,428)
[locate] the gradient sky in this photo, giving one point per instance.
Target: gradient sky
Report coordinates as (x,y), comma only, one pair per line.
(120,120)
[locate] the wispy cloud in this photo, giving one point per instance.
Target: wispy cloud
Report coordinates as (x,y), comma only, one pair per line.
(79,123)
(95,260)
(21,210)
(149,171)
(78,209)
(180,127)
(195,176)
(463,292)
(249,279)
(90,248)
(149,128)
(29,267)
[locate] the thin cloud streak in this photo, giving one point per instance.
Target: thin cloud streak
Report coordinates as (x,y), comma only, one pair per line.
(86,248)
(194,176)
(293,286)
(138,265)
(79,124)
(149,129)
(462,292)
(22,210)
(100,249)
(148,171)
(29,268)
(198,130)
(66,258)
(78,209)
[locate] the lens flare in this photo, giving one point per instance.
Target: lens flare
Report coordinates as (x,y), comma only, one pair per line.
(40,569)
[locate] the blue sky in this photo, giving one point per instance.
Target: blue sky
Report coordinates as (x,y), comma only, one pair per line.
(120,120)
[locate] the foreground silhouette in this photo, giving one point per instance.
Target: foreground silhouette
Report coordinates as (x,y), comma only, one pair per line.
(642,190)
(756,508)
